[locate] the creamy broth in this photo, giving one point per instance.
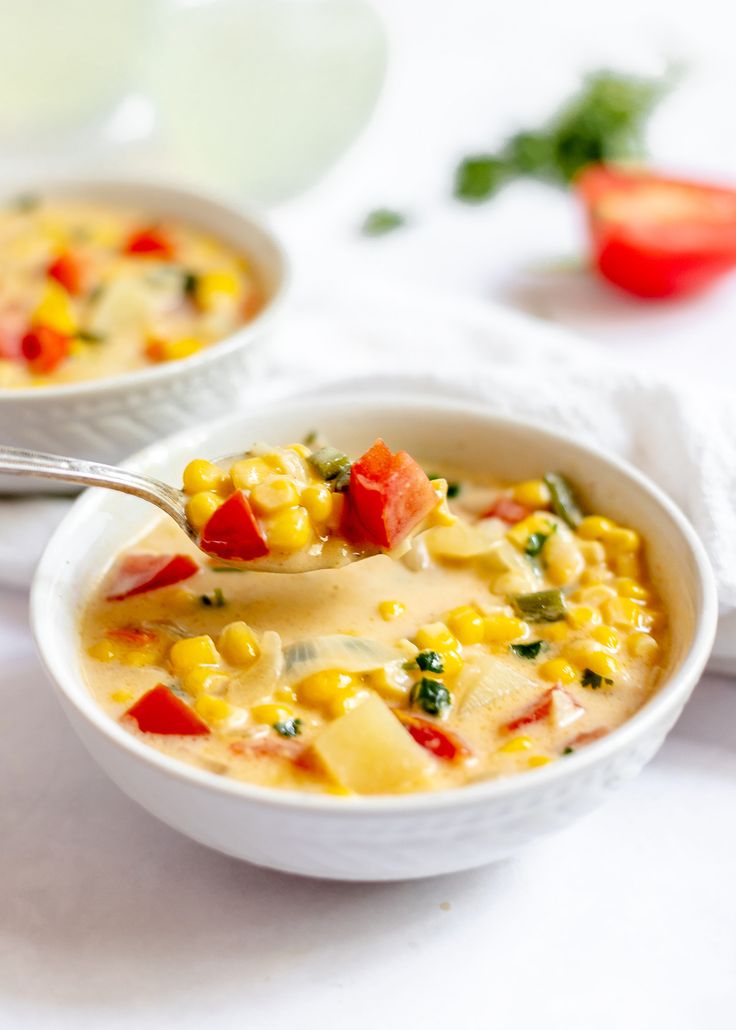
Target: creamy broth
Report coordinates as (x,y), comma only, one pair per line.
(515,693)
(90,291)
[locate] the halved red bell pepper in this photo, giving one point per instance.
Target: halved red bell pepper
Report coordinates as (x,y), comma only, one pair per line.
(161,711)
(139,573)
(389,494)
(150,242)
(440,742)
(68,270)
(232,532)
(44,348)
(507,509)
(658,237)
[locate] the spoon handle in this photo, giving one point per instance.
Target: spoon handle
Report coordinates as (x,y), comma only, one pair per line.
(17,462)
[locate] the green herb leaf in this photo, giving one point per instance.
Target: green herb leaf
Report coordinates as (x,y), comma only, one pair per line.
(430,661)
(431,695)
(88,337)
(214,600)
(480,177)
(593,680)
(535,542)
(453,490)
(289,727)
(189,283)
(530,651)
(382,221)
(311,438)
(569,751)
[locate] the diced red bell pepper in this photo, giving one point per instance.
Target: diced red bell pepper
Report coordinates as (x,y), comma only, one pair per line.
(658,237)
(232,532)
(139,573)
(136,636)
(389,495)
(161,711)
(68,270)
(150,242)
(44,348)
(555,702)
(507,509)
(441,743)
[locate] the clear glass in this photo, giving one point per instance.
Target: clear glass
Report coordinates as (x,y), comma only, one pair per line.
(260,97)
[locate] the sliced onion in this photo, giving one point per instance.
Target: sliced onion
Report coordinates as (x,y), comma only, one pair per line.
(256,683)
(337,651)
(486,681)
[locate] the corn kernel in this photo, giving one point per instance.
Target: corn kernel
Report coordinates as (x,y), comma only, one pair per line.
(191,651)
(502,629)
(270,714)
(175,350)
(627,565)
(248,473)
(467,624)
(104,651)
(623,541)
(602,664)
(628,587)
(121,697)
(389,610)
(607,636)
(318,502)
(238,644)
(563,570)
(624,611)
(557,670)
(532,493)
(211,709)
(201,679)
(202,475)
(201,507)
(435,636)
(139,659)
(594,595)
(537,761)
(274,495)
(516,744)
(594,575)
(301,449)
(391,686)
(595,527)
(554,631)
(182,600)
(213,287)
(452,661)
(55,309)
(347,701)
(581,616)
(441,514)
(276,461)
(641,645)
(593,552)
(326,689)
(289,529)
(284,694)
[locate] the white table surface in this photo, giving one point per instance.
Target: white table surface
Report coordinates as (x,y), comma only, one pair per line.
(628,919)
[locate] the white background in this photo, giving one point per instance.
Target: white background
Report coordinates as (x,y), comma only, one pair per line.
(109,919)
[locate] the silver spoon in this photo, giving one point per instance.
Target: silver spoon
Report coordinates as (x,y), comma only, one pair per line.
(17,462)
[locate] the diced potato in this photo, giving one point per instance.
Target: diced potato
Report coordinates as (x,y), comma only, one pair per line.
(459,542)
(368,751)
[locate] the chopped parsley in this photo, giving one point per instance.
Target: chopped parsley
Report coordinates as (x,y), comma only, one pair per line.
(530,651)
(214,600)
(536,541)
(88,337)
(569,751)
(429,661)
(453,488)
(593,680)
(289,727)
(381,221)
(431,695)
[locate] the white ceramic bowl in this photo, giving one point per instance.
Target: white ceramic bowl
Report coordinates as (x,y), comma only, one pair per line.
(379,838)
(108,419)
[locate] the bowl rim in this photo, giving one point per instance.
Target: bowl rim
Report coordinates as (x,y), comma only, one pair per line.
(206,200)
(671,693)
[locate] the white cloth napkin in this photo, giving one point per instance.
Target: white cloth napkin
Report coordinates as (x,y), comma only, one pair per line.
(371,336)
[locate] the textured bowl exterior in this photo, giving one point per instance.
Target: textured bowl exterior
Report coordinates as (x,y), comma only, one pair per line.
(108,419)
(379,838)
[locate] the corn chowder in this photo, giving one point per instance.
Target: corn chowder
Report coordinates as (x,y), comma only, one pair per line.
(90,291)
(511,631)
